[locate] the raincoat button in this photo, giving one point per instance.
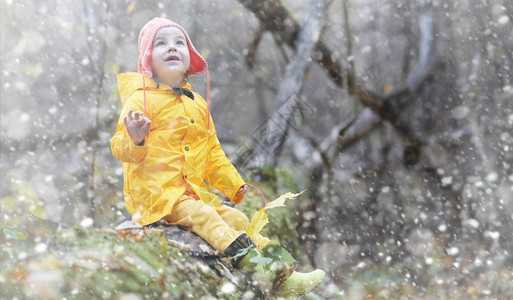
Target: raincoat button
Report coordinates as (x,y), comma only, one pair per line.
(192,120)
(186,148)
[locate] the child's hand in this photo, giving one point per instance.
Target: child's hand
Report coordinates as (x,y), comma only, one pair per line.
(241,192)
(136,126)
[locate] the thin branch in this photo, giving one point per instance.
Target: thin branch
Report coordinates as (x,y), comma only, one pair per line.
(350,57)
(285,102)
(253,46)
(282,25)
(325,158)
(340,138)
(352,131)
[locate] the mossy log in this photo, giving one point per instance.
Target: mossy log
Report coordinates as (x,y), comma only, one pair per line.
(135,263)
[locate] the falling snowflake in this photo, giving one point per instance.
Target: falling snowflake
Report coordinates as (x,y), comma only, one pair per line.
(87,222)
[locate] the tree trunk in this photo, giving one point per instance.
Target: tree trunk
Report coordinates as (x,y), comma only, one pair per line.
(284,28)
(273,132)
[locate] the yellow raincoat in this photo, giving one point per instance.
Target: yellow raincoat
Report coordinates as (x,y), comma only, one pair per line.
(178,153)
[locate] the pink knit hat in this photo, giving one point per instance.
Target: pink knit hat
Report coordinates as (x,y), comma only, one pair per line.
(147,35)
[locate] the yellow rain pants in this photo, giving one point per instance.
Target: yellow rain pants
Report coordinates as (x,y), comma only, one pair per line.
(218,226)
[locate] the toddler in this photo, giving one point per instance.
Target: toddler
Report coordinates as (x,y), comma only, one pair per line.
(171,155)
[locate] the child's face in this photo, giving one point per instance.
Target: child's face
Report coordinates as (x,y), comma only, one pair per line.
(170,56)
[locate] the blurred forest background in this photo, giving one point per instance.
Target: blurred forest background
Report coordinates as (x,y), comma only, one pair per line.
(395,116)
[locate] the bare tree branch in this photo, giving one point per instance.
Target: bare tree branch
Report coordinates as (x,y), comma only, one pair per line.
(250,57)
(285,103)
(426,55)
(341,137)
(281,23)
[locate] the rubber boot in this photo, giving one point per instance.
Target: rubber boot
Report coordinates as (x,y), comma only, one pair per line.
(269,278)
(296,283)
(277,279)
(301,283)
(239,248)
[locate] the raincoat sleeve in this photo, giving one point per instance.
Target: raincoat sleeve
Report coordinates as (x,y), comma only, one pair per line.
(220,172)
(121,144)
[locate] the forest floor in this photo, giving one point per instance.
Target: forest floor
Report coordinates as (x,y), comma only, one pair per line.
(94,263)
(44,261)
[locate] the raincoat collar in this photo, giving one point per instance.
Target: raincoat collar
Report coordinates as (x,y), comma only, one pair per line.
(183,91)
(130,82)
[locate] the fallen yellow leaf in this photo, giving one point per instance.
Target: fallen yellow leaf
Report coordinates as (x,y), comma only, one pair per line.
(280,202)
(260,218)
(258,222)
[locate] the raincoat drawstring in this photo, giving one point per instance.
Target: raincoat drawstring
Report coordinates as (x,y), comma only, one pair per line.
(208,101)
(261,194)
(144,93)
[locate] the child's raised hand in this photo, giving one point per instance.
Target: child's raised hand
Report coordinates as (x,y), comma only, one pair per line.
(136,126)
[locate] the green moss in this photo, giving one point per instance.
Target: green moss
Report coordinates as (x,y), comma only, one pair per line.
(94,263)
(99,264)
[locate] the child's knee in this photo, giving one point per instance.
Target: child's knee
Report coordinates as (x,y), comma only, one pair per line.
(237,219)
(242,221)
(239,216)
